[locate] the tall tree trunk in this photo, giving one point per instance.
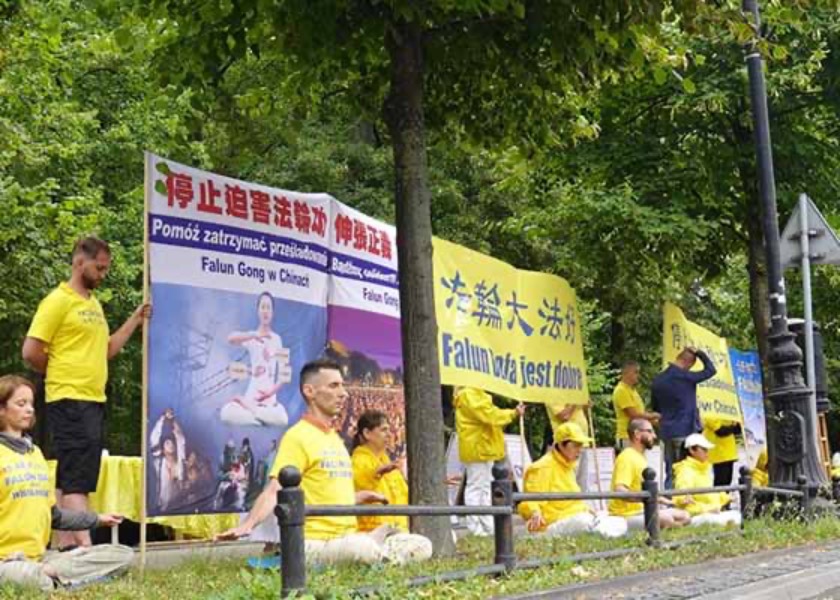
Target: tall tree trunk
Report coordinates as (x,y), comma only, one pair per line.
(424,416)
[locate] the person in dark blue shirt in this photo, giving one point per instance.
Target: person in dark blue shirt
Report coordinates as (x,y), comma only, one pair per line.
(674,396)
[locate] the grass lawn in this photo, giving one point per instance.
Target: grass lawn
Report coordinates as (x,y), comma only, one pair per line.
(229,580)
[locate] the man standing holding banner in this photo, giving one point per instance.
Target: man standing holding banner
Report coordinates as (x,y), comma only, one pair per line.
(68,341)
(481,442)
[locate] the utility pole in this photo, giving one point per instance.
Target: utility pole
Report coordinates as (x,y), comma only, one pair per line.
(793,451)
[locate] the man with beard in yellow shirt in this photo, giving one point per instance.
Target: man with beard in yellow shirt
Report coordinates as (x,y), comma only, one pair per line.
(627,477)
(555,472)
(317,451)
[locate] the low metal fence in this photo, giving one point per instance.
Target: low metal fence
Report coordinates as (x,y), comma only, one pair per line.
(291,513)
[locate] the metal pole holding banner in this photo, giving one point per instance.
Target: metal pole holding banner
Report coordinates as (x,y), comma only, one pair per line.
(144,434)
(810,371)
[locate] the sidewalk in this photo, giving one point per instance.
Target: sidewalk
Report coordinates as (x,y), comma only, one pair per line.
(798,573)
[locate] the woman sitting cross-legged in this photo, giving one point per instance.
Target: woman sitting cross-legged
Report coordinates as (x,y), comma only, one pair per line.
(696,472)
(28,513)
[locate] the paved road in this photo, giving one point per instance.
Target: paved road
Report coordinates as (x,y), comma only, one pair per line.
(804,573)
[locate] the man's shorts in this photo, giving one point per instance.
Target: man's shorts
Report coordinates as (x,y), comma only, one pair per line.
(76,428)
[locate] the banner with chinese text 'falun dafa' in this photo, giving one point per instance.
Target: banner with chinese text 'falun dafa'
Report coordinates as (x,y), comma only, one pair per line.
(510,332)
(716,397)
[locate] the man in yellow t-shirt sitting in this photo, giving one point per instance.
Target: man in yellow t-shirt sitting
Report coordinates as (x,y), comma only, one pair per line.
(560,413)
(628,404)
(627,477)
(317,451)
(695,471)
(555,472)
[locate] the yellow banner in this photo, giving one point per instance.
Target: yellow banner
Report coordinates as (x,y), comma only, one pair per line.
(718,396)
(510,332)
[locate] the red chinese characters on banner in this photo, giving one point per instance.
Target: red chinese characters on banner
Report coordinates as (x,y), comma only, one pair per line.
(260,207)
(236,200)
(282,212)
(248,204)
(361,236)
(303,220)
(207,199)
(179,187)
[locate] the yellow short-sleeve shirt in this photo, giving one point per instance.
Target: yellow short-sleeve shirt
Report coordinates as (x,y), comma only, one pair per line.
(392,485)
(624,397)
(26,499)
(627,472)
(76,334)
(327,475)
(578,417)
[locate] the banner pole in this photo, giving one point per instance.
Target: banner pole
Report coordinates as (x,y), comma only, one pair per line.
(594,450)
(145,368)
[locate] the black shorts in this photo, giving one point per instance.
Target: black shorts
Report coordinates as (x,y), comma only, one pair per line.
(76,428)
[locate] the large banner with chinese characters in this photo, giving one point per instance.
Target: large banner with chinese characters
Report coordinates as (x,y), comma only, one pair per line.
(364,323)
(717,396)
(746,367)
(511,332)
(239,278)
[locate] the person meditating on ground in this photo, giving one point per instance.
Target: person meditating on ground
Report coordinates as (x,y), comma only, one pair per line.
(627,477)
(317,451)
(555,472)
(28,513)
(373,469)
(696,472)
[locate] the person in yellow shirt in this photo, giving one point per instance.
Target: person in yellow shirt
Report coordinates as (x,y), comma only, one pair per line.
(628,404)
(722,434)
(760,474)
(695,471)
(559,413)
(28,513)
(317,451)
(627,477)
(555,472)
(481,442)
(374,470)
(69,342)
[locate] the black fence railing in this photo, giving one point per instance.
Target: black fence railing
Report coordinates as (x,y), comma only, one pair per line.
(291,513)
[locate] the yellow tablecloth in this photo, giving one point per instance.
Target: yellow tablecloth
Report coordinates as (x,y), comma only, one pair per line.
(118,491)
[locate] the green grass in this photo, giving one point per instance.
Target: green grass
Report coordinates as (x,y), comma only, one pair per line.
(228,580)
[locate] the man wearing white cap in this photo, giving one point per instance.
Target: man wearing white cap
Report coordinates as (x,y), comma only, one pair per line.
(554,473)
(696,472)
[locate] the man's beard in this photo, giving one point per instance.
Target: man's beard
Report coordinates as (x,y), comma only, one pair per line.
(648,443)
(89,282)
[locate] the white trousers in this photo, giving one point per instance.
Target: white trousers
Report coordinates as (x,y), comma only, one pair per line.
(75,567)
(604,525)
(724,518)
(477,493)
(399,548)
(234,413)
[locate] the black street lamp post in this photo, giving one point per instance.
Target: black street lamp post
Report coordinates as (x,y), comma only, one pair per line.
(793,452)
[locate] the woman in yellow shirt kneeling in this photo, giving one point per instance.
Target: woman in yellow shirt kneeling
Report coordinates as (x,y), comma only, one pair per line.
(374,470)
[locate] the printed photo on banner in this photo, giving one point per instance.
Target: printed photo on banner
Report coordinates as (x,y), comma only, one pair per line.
(716,397)
(746,366)
(511,332)
(224,390)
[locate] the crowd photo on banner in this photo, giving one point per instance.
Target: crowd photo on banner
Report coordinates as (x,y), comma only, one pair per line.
(273,339)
